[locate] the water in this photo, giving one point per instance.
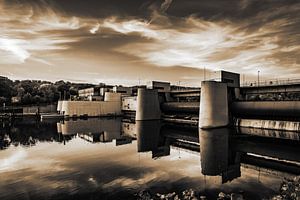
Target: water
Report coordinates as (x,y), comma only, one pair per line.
(111,159)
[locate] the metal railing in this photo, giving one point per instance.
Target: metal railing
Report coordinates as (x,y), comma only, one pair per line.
(271,82)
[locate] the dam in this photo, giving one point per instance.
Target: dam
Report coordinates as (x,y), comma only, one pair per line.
(218,103)
(111,142)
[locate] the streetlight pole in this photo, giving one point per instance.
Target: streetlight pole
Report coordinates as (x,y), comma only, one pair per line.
(258,78)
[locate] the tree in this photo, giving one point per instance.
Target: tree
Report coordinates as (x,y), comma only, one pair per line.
(27,98)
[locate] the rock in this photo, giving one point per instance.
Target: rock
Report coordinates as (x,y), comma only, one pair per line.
(278,197)
(144,195)
(297,179)
(222,195)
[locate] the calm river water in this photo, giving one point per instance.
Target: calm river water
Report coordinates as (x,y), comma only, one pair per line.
(113,159)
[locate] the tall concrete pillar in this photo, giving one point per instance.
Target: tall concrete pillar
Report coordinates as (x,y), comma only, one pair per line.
(111,96)
(59,106)
(213,105)
(148,107)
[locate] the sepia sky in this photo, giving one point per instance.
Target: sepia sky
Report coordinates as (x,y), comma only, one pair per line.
(135,41)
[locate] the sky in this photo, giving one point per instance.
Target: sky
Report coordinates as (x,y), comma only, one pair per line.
(132,42)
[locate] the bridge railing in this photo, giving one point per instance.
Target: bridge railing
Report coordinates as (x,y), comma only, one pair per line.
(271,82)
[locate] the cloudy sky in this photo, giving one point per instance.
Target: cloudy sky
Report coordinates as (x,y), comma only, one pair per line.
(134,41)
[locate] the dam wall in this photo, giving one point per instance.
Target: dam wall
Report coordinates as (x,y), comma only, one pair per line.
(129,103)
(269,124)
(272,133)
(110,106)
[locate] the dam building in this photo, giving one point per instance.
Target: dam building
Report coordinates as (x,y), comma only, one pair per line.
(218,103)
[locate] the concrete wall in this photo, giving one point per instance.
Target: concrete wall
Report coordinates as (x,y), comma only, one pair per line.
(148,107)
(232,79)
(213,105)
(269,124)
(110,96)
(122,90)
(91,108)
(89,92)
(39,109)
(129,103)
(110,106)
(281,134)
(160,86)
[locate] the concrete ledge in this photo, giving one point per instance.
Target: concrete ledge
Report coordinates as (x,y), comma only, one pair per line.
(269,124)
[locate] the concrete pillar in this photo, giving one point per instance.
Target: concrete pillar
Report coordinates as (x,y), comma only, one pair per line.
(148,107)
(213,105)
(111,96)
(237,93)
(59,106)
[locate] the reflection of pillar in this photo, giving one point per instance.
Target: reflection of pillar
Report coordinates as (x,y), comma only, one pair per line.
(147,105)
(59,106)
(213,105)
(58,125)
(147,133)
(109,136)
(214,151)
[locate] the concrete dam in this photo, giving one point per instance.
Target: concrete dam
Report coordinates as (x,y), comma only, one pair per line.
(218,103)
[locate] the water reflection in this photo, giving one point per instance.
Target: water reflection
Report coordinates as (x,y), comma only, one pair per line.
(217,159)
(150,139)
(290,135)
(107,154)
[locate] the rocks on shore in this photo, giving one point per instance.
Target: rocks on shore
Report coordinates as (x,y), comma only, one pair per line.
(185,195)
(289,190)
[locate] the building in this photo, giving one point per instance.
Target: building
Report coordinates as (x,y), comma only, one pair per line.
(123,90)
(160,86)
(16,99)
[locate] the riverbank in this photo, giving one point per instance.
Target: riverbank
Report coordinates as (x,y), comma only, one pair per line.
(289,190)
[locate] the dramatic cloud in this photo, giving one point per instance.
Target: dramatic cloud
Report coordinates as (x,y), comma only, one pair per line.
(215,45)
(28,30)
(134,37)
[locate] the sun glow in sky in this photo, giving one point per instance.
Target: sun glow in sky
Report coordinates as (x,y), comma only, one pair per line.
(123,42)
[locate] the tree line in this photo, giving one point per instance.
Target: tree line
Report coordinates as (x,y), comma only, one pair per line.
(36,91)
